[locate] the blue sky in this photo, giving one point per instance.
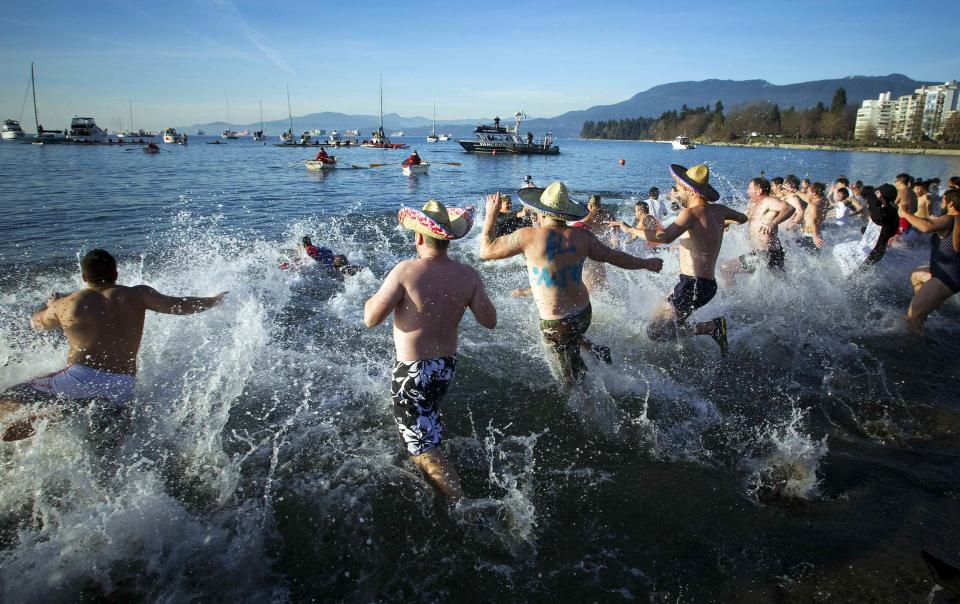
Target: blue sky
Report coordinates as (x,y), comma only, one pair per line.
(177,60)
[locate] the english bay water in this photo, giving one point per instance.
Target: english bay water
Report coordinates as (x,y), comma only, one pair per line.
(263,463)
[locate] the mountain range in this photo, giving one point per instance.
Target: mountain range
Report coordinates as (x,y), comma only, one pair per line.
(649,103)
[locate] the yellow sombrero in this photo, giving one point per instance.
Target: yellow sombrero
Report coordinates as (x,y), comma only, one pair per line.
(697,178)
(436,221)
(553,201)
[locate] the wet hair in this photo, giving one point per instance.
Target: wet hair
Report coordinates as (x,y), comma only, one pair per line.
(653,192)
(818,187)
(858,184)
(761,183)
(952,197)
(436,244)
(792,180)
(845,191)
(644,206)
(923,184)
(868,192)
(777,180)
(306,240)
(593,199)
(339,260)
(954,181)
(904,179)
(843,180)
(99,266)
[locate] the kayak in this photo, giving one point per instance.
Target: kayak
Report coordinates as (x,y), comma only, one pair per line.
(420,168)
(316,165)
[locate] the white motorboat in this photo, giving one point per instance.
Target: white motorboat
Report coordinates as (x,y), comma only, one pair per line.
(501,139)
(420,168)
(170,136)
(397,133)
(682,142)
(446,137)
(85,130)
(228,133)
(352,132)
(334,138)
(11,130)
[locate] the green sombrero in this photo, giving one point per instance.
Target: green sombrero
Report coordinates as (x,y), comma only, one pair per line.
(553,201)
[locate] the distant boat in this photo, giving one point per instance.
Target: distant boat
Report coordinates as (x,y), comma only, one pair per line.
(432,137)
(305,138)
(682,142)
(85,130)
(500,139)
(352,132)
(170,136)
(11,130)
(131,133)
(229,132)
(397,133)
(260,134)
(446,137)
(49,136)
(379,140)
(287,137)
(200,132)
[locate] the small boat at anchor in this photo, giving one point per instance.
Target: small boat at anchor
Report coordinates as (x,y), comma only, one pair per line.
(11,130)
(682,142)
(500,139)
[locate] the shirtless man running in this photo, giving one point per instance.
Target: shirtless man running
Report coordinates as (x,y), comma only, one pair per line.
(811,239)
(555,253)
(764,213)
(427,297)
(699,226)
(103,323)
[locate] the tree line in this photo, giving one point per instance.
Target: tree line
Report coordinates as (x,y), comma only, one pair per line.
(762,119)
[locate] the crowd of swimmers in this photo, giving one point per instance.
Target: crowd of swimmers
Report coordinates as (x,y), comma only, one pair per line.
(566,246)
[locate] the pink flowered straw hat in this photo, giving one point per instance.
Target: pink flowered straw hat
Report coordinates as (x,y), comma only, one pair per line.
(436,221)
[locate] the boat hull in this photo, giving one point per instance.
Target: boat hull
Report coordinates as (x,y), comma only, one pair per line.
(677,145)
(12,135)
(315,165)
(409,169)
(476,147)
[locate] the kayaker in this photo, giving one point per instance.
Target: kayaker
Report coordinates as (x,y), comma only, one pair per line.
(413,160)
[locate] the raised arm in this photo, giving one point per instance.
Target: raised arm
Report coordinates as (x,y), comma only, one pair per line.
(783,210)
(46,318)
(174,305)
(481,306)
(601,253)
(926,225)
(668,235)
(382,303)
(491,246)
(731,215)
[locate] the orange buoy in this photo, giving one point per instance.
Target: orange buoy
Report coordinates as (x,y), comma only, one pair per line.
(623,162)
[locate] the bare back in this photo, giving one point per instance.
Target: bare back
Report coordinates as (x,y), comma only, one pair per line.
(103,326)
(700,243)
(555,258)
(435,294)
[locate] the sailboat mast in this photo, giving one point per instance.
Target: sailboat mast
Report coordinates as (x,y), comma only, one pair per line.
(261,116)
(434,118)
(131,115)
(289,110)
(229,125)
(33,87)
(381,103)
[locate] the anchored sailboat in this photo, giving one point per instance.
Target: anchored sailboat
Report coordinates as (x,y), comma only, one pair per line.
(229,132)
(259,134)
(287,137)
(42,135)
(433,133)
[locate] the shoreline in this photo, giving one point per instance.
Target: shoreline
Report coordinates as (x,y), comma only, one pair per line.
(801,147)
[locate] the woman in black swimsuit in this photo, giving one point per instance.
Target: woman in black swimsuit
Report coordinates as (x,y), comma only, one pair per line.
(935,283)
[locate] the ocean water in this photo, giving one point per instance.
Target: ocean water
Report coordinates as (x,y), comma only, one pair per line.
(262,463)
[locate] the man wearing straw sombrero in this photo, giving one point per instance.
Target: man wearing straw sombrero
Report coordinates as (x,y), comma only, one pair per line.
(428,296)
(555,254)
(699,226)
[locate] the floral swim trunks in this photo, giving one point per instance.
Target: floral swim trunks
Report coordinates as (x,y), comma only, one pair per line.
(417,388)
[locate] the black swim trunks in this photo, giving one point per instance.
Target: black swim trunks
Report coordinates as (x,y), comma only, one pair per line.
(563,337)
(690,294)
(417,388)
(773,259)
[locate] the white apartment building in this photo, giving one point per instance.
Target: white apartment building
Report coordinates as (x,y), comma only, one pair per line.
(911,116)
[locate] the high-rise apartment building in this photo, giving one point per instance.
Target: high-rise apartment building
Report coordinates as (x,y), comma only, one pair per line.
(911,116)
